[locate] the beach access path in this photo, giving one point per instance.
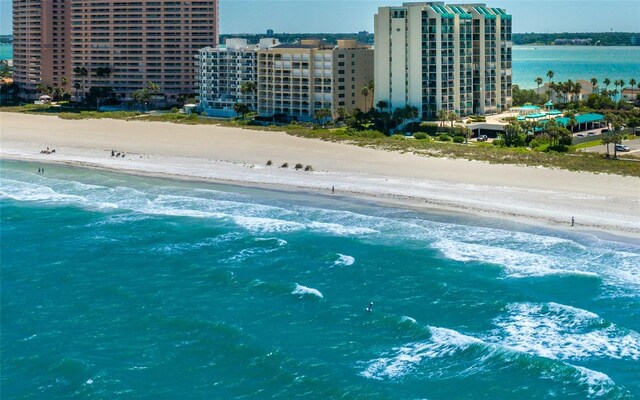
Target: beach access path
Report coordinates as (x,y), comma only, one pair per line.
(536,195)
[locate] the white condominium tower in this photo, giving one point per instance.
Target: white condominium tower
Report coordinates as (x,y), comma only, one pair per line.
(443,57)
(221,72)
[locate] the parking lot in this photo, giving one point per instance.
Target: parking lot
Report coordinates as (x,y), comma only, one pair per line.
(633,144)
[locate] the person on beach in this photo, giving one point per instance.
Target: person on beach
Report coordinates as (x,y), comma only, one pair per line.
(573,220)
(333,189)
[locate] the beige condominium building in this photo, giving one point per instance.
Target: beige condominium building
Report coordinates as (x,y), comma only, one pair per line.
(443,57)
(297,80)
(41,44)
(118,44)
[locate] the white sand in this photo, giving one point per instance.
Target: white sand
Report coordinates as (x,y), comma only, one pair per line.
(536,195)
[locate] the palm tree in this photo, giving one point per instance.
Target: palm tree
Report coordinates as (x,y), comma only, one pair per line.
(538,82)
(632,82)
(452,117)
(616,83)
(606,82)
(365,93)
(550,75)
(371,86)
(322,114)
(622,84)
(442,116)
(577,88)
(382,105)
(594,83)
(247,89)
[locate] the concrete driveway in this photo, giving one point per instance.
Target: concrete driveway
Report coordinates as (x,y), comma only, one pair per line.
(633,144)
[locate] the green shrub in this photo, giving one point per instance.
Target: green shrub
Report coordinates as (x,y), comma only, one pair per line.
(560,148)
(420,135)
(269,163)
(299,166)
(444,138)
(308,168)
(367,133)
(458,139)
(499,143)
(429,128)
(285,165)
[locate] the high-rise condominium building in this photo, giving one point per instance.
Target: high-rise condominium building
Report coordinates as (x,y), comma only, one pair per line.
(118,44)
(297,80)
(223,70)
(41,44)
(443,57)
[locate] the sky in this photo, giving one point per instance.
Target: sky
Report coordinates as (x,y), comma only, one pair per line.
(327,16)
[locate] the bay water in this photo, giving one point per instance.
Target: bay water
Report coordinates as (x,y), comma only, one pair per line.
(114,286)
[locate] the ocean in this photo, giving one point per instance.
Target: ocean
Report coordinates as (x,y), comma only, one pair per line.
(144,288)
(575,62)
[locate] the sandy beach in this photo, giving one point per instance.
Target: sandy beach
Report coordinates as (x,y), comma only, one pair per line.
(537,195)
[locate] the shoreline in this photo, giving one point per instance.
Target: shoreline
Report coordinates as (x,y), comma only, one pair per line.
(603,205)
(413,204)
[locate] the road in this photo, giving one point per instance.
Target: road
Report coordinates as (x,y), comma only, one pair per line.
(633,144)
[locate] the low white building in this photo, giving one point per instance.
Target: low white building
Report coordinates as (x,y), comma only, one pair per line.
(222,71)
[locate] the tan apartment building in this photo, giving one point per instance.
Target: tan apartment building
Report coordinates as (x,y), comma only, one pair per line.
(297,80)
(41,44)
(119,44)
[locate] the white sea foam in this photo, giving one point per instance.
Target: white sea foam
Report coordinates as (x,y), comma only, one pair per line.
(267,225)
(340,230)
(280,242)
(558,331)
(598,384)
(517,264)
(344,260)
(306,291)
(402,361)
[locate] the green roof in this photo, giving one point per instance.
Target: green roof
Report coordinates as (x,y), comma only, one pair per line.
(537,115)
(462,13)
(548,103)
(530,107)
(582,119)
(484,11)
(442,10)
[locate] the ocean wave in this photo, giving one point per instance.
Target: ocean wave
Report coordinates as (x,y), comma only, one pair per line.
(404,360)
(516,263)
(448,354)
(280,242)
(340,230)
(344,260)
(558,331)
(306,291)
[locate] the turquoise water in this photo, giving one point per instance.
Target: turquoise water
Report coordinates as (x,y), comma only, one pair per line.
(575,62)
(6,52)
(116,286)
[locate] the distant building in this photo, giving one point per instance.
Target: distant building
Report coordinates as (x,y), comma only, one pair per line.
(586,88)
(630,93)
(222,71)
(574,42)
(269,32)
(297,80)
(443,57)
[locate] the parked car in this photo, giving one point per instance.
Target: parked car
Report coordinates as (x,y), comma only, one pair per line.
(605,131)
(580,135)
(483,138)
(591,134)
(622,147)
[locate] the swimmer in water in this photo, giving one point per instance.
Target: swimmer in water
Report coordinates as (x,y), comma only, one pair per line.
(370,308)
